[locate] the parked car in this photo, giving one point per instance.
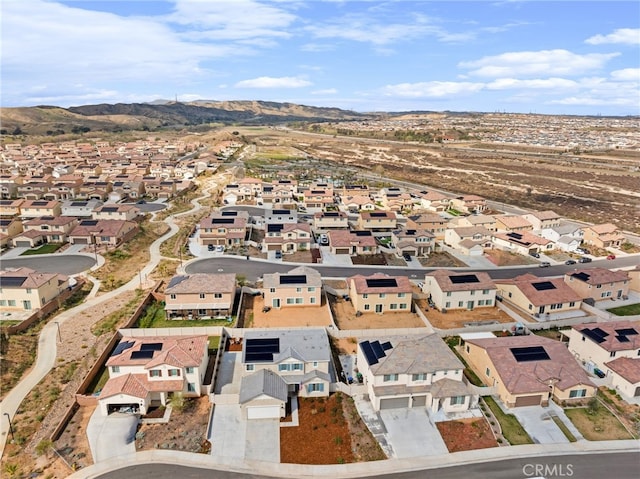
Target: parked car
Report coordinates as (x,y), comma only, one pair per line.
(220,249)
(211,247)
(570,261)
(544,264)
(278,254)
(406,257)
(611,256)
(534,254)
(584,259)
(598,373)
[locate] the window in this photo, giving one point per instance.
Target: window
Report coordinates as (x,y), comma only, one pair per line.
(481,302)
(472,293)
(365,296)
(487,372)
(401,295)
(298,290)
(599,286)
(115,369)
(460,304)
(311,289)
(510,294)
(393,306)
(189,370)
(29,290)
(315,364)
(155,373)
(383,295)
(578,393)
(485,291)
(26,304)
(249,367)
(488,302)
(403,305)
(191,387)
(217,295)
(3,302)
(612,354)
(315,387)
(390,377)
(272,290)
(291,300)
(457,400)
(467,348)
(299,300)
(202,295)
(290,367)
(172,296)
(367,307)
(419,377)
(174,373)
(447,304)
(12,302)
(448,293)
(312,300)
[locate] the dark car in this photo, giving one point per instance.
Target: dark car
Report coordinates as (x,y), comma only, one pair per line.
(584,259)
(544,264)
(570,261)
(534,254)
(407,257)
(211,247)
(278,254)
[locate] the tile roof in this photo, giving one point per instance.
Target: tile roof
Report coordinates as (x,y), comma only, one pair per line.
(596,276)
(138,385)
(611,341)
(443,278)
(513,221)
(361,287)
(33,279)
(627,368)
(560,293)
(202,283)
(179,351)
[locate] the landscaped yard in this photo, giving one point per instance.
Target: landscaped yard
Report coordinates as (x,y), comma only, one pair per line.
(466,434)
(155,317)
(596,423)
(44,249)
(628,310)
(512,430)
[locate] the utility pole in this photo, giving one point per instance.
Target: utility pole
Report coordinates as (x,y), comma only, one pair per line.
(10,426)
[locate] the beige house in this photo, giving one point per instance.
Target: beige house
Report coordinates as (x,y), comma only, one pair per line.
(431,222)
(278,364)
(484,221)
(352,243)
(325,220)
(470,240)
(603,236)
(301,286)
(10,207)
(358,203)
(287,237)
(598,284)
(512,223)
(546,298)
(103,232)
(464,290)
(541,220)
(54,229)
(38,208)
(380,293)
(413,242)
(523,243)
(10,227)
(404,372)
(598,343)
(377,220)
(634,277)
(226,228)
(469,204)
(317,199)
(433,201)
(116,212)
(145,371)
(24,289)
(528,370)
(200,296)
(625,376)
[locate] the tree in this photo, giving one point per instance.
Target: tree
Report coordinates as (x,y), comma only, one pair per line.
(17,131)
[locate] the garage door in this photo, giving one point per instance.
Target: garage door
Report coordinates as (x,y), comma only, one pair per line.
(23,244)
(80,241)
(273,247)
(342,250)
(528,400)
(394,403)
(263,412)
(419,401)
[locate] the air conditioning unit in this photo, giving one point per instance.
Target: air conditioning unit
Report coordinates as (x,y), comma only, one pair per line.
(444,310)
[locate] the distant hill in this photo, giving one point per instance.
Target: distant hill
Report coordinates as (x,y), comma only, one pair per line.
(53,120)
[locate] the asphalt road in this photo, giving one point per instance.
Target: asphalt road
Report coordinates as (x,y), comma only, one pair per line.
(63,264)
(253,270)
(584,466)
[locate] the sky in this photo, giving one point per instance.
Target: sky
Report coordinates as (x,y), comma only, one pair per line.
(546,57)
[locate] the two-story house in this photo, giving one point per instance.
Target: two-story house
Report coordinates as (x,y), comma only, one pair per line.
(200,296)
(9,228)
(598,284)
(301,286)
(524,243)
(377,220)
(24,289)
(469,240)
(603,236)
(116,212)
(460,290)
(80,208)
(433,201)
(402,372)
(469,204)
(413,242)
(513,223)
(380,293)
(356,203)
(281,216)
(326,220)
(431,222)
(224,228)
(287,237)
(38,208)
(145,371)
(541,220)
(110,233)
(352,243)
(53,229)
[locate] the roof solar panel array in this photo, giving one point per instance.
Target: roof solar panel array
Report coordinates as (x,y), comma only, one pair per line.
(530,353)
(261,349)
(543,286)
(374,351)
(382,283)
(464,278)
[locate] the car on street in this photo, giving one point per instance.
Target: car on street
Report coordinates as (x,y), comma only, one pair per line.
(611,256)
(544,264)
(584,259)
(570,261)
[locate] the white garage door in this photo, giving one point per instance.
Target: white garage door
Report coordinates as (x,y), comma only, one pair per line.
(263,412)
(394,403)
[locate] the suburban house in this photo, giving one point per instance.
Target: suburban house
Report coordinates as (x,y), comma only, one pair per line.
(80,208)
(594,344)
(145,371)
(598,284)
(116,212)
(394,199)
(38,208)
(226,228)
(463,290)
(528,370)
(353,190)
(414,372)
(24,289)
(10,227)
(469,204)
(325,220)
(380,293)
(413,242)
(377,220)
(431,222)
(625,376)
(54,229)
(287,237)
(317,199)
(10,208)
(358,203)
(603,236)
(634,276)
(352,242)
(200,296)
(523,243)
(433,201)
(281,216)
(301,286)
(278,364)
(103,232)
(512,223)
(546,298)
(569,232)
(470,240)
(485,221)
(541,220)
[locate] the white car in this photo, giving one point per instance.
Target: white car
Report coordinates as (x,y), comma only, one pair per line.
(219,249)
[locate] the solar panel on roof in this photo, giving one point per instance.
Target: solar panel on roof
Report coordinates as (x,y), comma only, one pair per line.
(382,283)
(622,339)
(293,279)
(514,235)
(110,209)
(378,349)
(12,281)
(222,221)
(600,332)
(581,276)
(151,347)
(387,346)
(229,213)
(317,192)
(464,278)
(40,203)
(369,355)
(274,228)
(254,357)
(88,222)
(331,214)
(594,335)
(142,354)
(530,353)
(626,331)
(122,346)
(376,214)
(78,203)
(281,212)
(543,286)
(362,233)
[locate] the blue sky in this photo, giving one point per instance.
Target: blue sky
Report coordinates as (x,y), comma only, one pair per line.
(514,56)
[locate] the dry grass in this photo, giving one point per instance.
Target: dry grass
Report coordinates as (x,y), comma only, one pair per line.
(346,319)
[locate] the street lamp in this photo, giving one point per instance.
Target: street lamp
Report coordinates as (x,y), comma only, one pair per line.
(10,425)
(59,335)
(95,247)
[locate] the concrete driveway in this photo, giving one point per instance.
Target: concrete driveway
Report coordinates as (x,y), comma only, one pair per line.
(537,421)
(263,440)
(111,436)
(411,433)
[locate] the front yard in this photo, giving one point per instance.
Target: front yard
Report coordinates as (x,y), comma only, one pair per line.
(44,249)
(512,430)
(596,423)
(466,434)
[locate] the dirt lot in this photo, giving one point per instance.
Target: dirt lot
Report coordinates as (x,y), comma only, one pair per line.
(185,431)
(345,318)
(330,432)
(441,260)
(255,317)
(466,434)
(505,258)
(457,319)
(298,257)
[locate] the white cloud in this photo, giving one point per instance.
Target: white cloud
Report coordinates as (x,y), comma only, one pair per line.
(317,47)
(326,91)
(627,74)
(543,62)
(537,84)
(433,89)
(627,36)
(273,82)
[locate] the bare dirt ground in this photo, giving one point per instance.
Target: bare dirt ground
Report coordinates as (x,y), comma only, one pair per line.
(457,318)
(466,434)
(505,258)
(441,260)
(298,257)
(345,345)
(345,318)
(304,316)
